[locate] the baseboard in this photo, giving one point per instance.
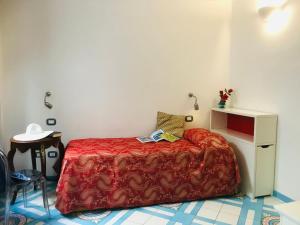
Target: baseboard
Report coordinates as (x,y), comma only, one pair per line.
(282,197)
(52,178)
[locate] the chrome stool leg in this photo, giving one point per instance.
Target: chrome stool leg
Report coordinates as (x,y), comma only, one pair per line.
(24,189)
(7,206)
(45,196)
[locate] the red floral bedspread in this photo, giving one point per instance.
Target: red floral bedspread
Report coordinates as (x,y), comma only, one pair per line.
(114,173)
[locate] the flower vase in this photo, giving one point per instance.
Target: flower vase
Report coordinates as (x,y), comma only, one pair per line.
(222,104)
(228,103)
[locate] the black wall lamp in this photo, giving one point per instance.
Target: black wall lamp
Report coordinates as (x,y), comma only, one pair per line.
(196,106)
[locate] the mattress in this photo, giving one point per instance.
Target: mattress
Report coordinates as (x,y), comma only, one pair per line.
(122,173)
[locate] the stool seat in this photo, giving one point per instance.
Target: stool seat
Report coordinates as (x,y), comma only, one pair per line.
(19,183)
(289,213)
(34,175)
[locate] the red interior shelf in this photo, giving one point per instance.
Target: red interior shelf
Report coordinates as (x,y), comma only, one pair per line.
(241,124)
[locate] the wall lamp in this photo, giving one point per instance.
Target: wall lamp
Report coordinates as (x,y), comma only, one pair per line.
(196,106)
(46,103)
(265,8)
(275,13)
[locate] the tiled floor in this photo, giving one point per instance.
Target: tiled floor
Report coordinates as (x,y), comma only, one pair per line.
(221,211)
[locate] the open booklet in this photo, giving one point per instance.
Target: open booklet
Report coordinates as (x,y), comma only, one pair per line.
(158,135)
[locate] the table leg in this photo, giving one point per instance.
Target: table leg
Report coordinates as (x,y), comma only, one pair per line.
(33,159)
(58,163)
(10,159)
(43,160)
(33,162)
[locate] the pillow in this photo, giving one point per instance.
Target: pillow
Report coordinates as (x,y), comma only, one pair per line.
(205,139)
(196,135)
(172,124)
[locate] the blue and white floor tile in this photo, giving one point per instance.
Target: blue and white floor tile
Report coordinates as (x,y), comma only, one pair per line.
(220,211)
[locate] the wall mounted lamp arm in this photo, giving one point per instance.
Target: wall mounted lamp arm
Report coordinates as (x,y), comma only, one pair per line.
(46,103)
(196,106)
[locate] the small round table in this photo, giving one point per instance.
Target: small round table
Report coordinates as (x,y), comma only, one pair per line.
(38,146)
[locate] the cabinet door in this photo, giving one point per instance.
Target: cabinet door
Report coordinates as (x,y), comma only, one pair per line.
(265,169)
(245,154)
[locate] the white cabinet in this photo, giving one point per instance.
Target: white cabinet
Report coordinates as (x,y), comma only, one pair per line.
(253,137)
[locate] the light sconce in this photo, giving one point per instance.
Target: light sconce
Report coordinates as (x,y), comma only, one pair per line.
(46,103)
(275,13)
(196,106)
(266,8)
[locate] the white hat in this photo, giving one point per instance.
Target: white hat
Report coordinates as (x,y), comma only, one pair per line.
(33,132)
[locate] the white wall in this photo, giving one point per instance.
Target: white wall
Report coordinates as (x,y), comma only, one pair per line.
(265,71)
(111,65)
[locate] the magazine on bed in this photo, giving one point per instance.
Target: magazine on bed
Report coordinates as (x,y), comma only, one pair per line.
(158,135)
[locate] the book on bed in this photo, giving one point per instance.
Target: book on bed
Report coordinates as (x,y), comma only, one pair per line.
(157,136)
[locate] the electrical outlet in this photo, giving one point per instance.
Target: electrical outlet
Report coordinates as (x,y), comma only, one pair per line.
(52,154)
(189,119)
(51,121)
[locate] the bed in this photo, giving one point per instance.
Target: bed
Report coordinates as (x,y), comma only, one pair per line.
(122,172)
